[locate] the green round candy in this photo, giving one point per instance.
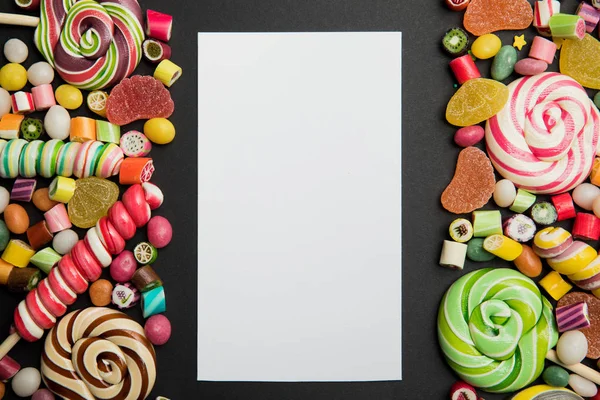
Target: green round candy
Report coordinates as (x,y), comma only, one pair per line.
(4,235)
(556,376)
(597,99)
(504,63)
(31,128)
(476,252)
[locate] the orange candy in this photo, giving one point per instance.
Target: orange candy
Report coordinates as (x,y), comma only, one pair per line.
(42,201)
(580,59)
(486,16)
(101,292)
(476,101)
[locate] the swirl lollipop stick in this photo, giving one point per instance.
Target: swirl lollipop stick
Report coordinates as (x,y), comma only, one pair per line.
(19,20)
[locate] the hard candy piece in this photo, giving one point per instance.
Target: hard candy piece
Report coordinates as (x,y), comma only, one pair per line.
(15,51)
(556,376)
(593,332)
(64,241)
(476,101)
(125,295)
(41,200)
(476,252)
(57,123)
(69,97)
(528,263)
(457,5)
(123,267)
(40,73)
(504,63)
(585,194)
(486,16)
(519,42)
(530,66)
(43,394)
(572,347)
(160,231)
(580,59)
(486,46)
(469,135)
(158,329)
(101,292)
(26,382)
(159,130)
(13,77)
(582,386)
(4,198)
(2,390)
(5,102)
(138,97)
(473,182)
(16,218)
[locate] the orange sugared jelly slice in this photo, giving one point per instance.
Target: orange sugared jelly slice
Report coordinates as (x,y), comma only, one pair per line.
(476,101)
(486,16)
(580,59)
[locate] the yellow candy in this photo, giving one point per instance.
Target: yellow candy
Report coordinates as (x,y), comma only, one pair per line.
(18,253)
(555,285)
(61,189)
(167,72)
(13,77)
(476,101)
(596,292)
(69,97)
(578,256)
(159,130)
(592,269)
(580,59)
(503,247)
(550,238)
(486,46)
(541,392)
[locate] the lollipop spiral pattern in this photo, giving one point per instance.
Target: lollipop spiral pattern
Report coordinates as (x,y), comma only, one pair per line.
(92,45)
(545,138)
(98,353)
(495,328)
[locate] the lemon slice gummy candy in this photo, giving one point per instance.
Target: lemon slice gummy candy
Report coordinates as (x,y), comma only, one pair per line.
(580,59)
(476,101)
(91,201)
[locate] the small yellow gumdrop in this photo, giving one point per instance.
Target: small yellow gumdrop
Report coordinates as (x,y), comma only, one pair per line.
(476,101)
(580,59)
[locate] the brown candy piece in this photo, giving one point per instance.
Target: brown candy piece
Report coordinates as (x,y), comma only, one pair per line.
(592,333)
(473,183)
(528,263)
(42,201)
(101,292)
(486,16)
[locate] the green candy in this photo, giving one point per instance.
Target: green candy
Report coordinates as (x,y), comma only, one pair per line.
(4,235)
(597,99)
(556,376)
(504,63)
(495,328)
(476,252)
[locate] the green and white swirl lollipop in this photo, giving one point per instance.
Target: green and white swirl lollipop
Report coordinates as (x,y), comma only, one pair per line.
(495,329)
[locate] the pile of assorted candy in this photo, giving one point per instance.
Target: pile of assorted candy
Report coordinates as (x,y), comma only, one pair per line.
(66,166)
(501,329)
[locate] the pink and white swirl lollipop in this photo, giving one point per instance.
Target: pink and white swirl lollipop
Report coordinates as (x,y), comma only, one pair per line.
(91,44)
(546,137)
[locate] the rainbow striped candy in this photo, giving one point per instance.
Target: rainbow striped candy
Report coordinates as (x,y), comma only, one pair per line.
(545,138)
(495,328)
(92,45)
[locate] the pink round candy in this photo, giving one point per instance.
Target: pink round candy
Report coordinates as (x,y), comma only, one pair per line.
(469,135)
(123,267)
(530,66)
(160,232)
(158,329)
(43,394)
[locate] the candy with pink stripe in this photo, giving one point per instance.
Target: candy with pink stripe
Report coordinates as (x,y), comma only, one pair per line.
(85,262)
(22,103)
(25,325)
(542,11)
(43,97)
(71,275)
(121,220)
(546,137)
(57,218)
(573,316)
(590,15)
(60,287)
(109,236)
(135,202)
(50,300)
(95,245)
(40,315)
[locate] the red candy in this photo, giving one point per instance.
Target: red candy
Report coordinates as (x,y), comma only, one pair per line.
(109,236)
(40,315)
(60,287)
(8,368)
(123,267)
(138,97)
(21,328)
(158,25)
(50,300)
(586,227)
(85,262)
(564,206)
(464,69)
(71,275)
(158,329)
(153,194)
(160,232)
(136,205)
(121,220)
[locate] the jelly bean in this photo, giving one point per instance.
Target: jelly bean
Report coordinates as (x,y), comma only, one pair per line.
(13,77)
(16,218)
(26,382)
(4,235)
(582,386)
(504,63)
(486,46)
(572,347)
(69,97)
(42,200)
(528,263)
(530,66)
(556,376)
(476,252)
(469,135)
(159,130)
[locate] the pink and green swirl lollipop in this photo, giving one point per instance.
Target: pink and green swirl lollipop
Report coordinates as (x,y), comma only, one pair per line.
(495,329)
(92,45)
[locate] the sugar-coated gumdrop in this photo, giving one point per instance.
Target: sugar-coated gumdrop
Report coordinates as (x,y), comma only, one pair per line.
(486,16)
(580,59)
(476,101)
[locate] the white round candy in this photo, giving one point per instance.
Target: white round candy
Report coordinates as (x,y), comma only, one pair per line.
(57,123)
(5,102)
(64,241)
(26,382)
(4,198)
(582,386)
(40,73)
(505,193)
(585,194)
(15,51)
(572,347)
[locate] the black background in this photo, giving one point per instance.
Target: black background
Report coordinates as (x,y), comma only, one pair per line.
(429,156)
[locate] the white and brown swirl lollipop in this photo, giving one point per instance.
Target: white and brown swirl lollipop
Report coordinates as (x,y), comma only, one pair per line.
(98,353)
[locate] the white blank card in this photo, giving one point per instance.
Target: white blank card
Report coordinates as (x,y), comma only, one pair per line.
(299,206)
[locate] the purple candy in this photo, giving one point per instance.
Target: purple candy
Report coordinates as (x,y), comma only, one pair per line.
(574,316)
(43,394)
(23,189)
